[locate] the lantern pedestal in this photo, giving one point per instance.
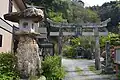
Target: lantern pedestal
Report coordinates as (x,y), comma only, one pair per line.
(28,56)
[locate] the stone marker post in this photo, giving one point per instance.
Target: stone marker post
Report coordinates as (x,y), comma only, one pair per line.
(108,62)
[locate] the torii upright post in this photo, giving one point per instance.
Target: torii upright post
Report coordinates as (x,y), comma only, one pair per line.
(60,41)
(97,49)
(97,45)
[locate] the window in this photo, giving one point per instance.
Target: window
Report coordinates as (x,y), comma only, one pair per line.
(25,24)
(0,40)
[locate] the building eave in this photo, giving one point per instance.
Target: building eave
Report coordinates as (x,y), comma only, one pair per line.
(21,4)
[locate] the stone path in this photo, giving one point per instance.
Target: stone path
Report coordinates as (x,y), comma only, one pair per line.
(72,74)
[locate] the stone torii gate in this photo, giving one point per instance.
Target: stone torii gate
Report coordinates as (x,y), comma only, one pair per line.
(95,33)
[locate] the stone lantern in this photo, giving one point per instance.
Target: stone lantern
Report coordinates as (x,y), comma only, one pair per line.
(29,62)
(26,19)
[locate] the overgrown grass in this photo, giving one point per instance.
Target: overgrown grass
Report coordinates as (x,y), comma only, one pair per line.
(92,68)
(52,68)
(78,70)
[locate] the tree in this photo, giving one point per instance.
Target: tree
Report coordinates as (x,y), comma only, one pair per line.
(112,37)
(60,10)
(109,10)
(77,14)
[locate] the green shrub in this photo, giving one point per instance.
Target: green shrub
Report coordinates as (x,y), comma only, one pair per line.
(69,52)
(52,69)
(113,38)
(8,67)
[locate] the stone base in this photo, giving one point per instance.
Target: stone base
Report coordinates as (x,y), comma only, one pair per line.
(108,70)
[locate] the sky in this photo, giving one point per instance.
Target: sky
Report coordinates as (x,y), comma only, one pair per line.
(95,2)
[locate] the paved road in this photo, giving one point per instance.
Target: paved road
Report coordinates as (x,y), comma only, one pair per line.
(70,66)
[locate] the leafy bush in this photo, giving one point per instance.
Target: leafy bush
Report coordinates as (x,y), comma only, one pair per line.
(69,51)
(52,69)
(8,67)
(113,38)
(86,43)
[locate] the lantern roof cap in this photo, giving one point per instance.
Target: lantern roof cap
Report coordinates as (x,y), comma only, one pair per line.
(31,13)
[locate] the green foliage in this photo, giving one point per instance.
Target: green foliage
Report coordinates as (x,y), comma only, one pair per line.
(91,16)
(112,37)
(8,67)
(60,10)
(84,42)
(75,41)
(52,69)
(77,13)
(109,10)
(103,40)
(69,51)
(57,17)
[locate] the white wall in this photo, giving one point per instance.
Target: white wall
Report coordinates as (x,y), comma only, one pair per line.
(7,37)
(4,7)
(6,41)
(4,4)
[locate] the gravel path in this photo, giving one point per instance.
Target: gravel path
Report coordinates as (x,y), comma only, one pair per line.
(70,66)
